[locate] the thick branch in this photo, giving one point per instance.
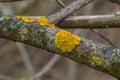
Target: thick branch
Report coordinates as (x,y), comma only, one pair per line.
(60,15)
(98,56)
(97,21)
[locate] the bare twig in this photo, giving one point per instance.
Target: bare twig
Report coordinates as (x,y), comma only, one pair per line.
(95,21)
(40,73)
(61,3)
(90,21)
(102,36)
(74,6)
(26,59)
(93,30)
(99,56)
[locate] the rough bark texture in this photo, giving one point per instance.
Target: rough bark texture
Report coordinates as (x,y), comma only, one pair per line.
(98,56)
(97,21)
(77,4)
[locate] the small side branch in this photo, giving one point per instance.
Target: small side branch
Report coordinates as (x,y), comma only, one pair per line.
(90,21)
(95,21)
(93,30)
(63,13)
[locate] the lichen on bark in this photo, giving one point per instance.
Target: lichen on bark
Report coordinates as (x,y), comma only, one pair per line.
(44,37)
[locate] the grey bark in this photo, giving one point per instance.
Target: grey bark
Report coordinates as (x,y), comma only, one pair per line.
(43,37)
(95,21)
(63,13)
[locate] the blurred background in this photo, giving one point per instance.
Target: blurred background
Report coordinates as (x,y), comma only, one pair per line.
(23,62)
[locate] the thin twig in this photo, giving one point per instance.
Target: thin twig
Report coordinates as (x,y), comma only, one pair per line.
(102,36)
(89,21)
(63,13)
(26,59)
(61,3)
(93,30)
(40,73)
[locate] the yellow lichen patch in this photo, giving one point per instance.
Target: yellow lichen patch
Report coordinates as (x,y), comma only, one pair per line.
(7,17)
(25,30)
(66,41)
(25,19)
(52,25)
(97,60)
(43,21)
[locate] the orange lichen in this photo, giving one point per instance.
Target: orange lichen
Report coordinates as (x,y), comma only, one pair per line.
(43,21)
(25,30)
(97,60)
(66,41)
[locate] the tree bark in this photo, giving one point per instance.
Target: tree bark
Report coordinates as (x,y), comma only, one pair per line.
(95,21)
(98,56)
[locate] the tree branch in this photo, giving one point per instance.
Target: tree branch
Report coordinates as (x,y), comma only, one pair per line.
(63,13)
(98,56)
(47,67)
(97,21)
(94,21)
(93,30)
(24,54)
